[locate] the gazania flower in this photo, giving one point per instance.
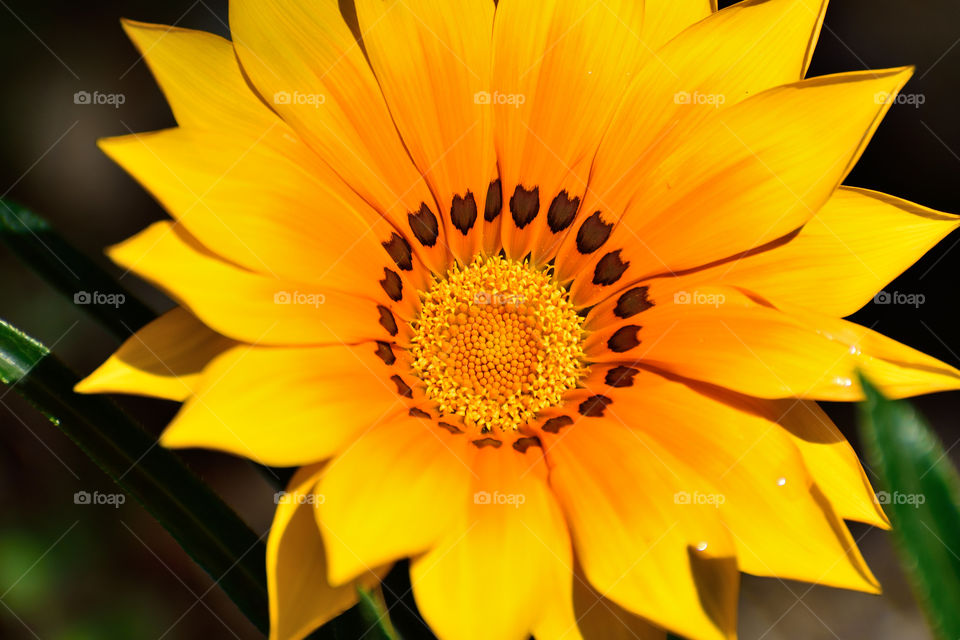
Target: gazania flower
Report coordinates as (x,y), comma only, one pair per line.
(540,295)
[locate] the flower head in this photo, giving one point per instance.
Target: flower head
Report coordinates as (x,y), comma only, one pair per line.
(541,295)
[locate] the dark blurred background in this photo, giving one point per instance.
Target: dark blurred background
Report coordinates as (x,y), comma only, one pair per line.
(72,571)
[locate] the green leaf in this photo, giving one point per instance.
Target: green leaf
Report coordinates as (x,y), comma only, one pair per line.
(207,529)
(73,274)
(375,615)
(921,495)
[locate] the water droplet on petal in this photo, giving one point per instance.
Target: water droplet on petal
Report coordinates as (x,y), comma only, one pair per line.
(702,546)
(781,482)
(843,382)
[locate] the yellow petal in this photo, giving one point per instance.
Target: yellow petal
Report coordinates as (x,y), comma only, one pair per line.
(636,543)
(435,92)
(200,78)
(267,205)
(599,617)
(393,493)
(831,460)
(505,570)
(247,306)
(559,69)
(751,471)
(304,61)
(746,176)
(301,598)
(734,54)
(287,407)
(722,336)
(856,244)
(664,19)
(164,359)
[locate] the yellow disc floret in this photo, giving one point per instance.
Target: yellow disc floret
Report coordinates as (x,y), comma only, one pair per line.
(496,342)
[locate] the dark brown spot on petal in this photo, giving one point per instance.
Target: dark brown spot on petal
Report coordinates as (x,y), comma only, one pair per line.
(494,201)
(524,205)
(594,406)
(487,442)
(621,376)
(419,413)
(463,212)
(392,284)
(624,339)
(562,211)
(387,321)
(523,444)
(609,269)
(424,225)
(402,387)
(632,302)
(452,428)
(385,352)
(553,425)
(593,233)
(399,250)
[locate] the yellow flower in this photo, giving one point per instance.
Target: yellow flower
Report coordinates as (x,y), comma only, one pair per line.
(539,295)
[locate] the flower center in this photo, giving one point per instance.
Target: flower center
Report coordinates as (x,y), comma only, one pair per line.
(496,342)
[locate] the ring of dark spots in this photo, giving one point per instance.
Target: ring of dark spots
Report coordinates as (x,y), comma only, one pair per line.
(624,339)
(402,387)
(399,250)
(593,233)
(562,211)
(522,444)
(452,428)
(524,205)
(392,284)
(424,225)
(494,201)
(609,269)
(620,376)
(633,302)
(419,413)
(487,442)
(463,212)
(387,321)
(385,352)
(553,425)
(594,406)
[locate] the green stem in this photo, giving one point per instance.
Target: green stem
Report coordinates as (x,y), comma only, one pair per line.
(207,529)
